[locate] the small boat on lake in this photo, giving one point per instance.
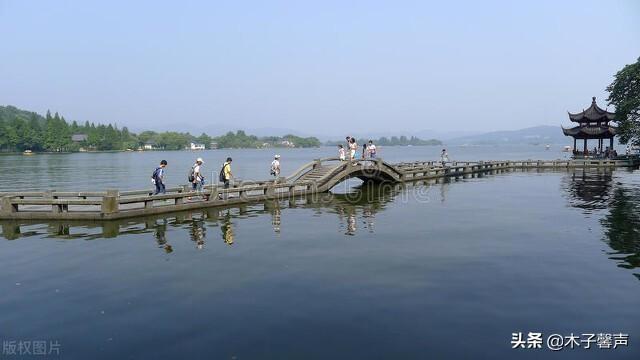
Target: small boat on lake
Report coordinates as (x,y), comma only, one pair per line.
(28,152)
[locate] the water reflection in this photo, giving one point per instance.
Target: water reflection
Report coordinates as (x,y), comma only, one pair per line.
(588,190)
(276,216)
(227,229)
(197,233)
(160,233)
(353,210)
(622,227)
(596,192)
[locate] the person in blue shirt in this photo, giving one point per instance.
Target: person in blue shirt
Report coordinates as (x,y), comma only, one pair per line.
(158,178)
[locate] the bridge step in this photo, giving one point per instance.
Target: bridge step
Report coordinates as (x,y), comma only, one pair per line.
(317,173)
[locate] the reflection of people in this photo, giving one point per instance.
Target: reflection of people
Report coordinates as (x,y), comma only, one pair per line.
(351,224)
(369,217)
(197,233)
(443,190)
(160,235)
(275,219)
(227,229)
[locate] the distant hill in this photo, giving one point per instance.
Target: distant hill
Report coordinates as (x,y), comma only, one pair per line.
(9,112)
(533,135)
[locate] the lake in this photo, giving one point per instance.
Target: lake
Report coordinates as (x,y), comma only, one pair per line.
(442,270)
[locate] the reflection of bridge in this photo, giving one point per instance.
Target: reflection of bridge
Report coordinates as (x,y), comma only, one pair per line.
(317,176)
(363,204)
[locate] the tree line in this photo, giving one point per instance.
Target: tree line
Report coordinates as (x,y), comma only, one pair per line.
(393,141)
(22,130)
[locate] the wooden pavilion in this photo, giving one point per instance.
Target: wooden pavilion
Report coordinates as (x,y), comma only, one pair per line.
(593,123)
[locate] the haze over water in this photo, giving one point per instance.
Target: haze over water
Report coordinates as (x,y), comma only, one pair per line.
(442,270)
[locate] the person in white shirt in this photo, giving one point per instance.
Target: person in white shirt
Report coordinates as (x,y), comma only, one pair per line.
(341,153)
(275,166)
(444,157)
(197,179)
(353,148)
(371,149)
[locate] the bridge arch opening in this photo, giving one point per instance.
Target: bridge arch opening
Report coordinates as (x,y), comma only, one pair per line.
(359,176)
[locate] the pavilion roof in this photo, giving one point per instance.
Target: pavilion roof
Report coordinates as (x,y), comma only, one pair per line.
(591,132)
(593,113)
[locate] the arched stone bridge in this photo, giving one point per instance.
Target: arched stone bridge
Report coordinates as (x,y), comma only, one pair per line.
(326,173)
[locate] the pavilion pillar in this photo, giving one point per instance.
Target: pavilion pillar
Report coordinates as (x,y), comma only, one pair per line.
(574,145)
(611,143)
(585,147)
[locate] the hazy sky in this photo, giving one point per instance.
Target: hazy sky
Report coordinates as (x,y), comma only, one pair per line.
(317,67)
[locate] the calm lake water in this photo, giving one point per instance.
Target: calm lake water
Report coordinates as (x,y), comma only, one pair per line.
(132,170)
(444,270)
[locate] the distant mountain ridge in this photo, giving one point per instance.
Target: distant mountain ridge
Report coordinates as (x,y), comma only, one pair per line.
(533,135)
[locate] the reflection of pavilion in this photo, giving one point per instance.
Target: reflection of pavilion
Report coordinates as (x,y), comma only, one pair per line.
(595,190)
(588,190)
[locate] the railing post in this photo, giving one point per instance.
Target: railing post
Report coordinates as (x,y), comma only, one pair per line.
(7,207)
(55,208)
(110,204)
(270,191)
(180,200)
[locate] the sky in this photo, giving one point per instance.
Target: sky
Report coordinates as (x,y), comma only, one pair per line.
(321,67)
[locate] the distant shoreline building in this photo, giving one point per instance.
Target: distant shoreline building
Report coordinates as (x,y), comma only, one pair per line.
(149,145)
(79,137)
(593,124)
(195,146)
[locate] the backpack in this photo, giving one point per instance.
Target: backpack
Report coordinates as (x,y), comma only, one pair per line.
(155,173)
(191,176)
(221,177)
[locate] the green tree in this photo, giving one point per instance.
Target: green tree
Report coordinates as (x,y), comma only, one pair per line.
(33,134)
(204,139)
(624,94)
(3,135)
(111,139)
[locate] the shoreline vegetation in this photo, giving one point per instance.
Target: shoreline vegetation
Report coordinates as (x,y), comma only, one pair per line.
(393,141)
(26,131)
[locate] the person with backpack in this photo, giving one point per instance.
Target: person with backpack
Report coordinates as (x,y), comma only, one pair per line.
(157,178)
(225,173)
(195,176)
